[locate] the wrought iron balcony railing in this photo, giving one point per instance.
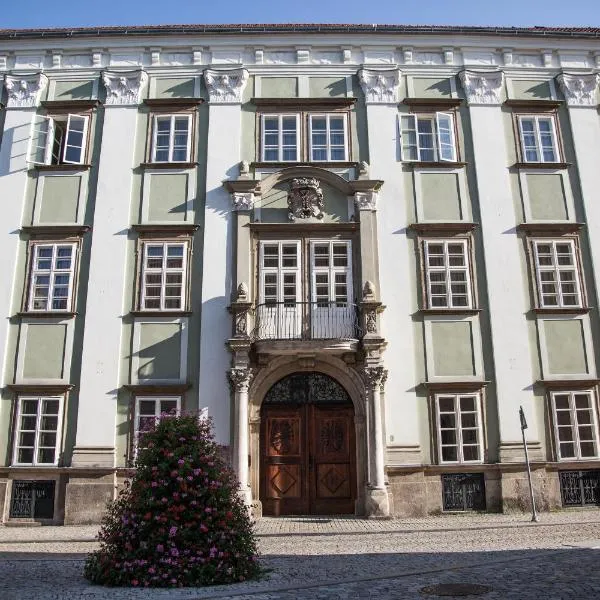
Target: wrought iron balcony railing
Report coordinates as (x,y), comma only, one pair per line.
(306,321)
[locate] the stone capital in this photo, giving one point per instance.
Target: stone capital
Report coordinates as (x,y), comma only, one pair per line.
(482,87)
(375,377)
(580,89)
(380,87)
(242,200)
(240,379)
(123,88)
(225,86)
(366,200)
(24,91)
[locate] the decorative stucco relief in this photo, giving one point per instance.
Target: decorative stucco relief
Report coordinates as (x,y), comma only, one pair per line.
(366,200)
(380,87)
(305,198)
(579,90)
(24,91)
(482,87)
(125,88)
(225,86)
(242,200)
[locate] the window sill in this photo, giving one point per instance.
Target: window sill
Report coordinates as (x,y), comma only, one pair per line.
(50,314)
(443,228)
(582,310)
(175,103)
(40,388)
(454,386)
(305,103)
(449,311)
(60,230)
(62,167)
(158,388)
(568,384)
(551,228)
(416,164)
(161,313)
(322,164)
(170,228)
(168,165)
(70,105)
(432,103)
(534,105)
(542,165)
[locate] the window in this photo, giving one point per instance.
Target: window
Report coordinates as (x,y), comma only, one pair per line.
(557,273)
(149,410)
(428,138)
(164,276)
(331,273)
(459,428)
(281,137)
(538,138)
(58,140)
(52,274)
(575,425)
(447,274)
(171,141)
(38,431)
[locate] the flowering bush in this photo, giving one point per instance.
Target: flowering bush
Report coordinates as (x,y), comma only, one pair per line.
(180,521)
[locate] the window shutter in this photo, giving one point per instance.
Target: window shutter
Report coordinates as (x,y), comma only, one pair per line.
(409,137)
(40,143)
(75,139)
(445,137)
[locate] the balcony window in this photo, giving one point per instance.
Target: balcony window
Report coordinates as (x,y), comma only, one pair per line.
(428,137)
(59,139)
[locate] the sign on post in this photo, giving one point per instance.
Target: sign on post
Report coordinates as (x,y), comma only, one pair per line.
(534,516)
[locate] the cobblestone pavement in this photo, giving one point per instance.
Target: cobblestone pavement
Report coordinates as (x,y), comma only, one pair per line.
(346,558)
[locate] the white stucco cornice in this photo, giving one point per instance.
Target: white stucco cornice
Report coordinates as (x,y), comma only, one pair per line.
(380,86)
(24,91)
(124,88)
(579,89)
(482,87)
(225,86)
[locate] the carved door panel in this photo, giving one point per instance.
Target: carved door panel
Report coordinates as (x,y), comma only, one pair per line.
(332,466)
(284,464)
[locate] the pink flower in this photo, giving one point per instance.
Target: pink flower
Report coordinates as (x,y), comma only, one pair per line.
(181,461)
(160,548)
(172,531)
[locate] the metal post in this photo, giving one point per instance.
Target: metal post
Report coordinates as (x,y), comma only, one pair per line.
(534,515)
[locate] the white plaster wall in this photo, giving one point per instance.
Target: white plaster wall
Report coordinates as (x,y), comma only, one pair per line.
(224,144)
(105,303)
(13,181)
(396,278)
(507,294)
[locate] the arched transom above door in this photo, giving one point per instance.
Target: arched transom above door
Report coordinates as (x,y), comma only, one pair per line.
(307,388)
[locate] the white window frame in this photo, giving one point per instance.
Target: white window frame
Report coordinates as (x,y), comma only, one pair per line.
(171,149)
(33,271)
(164,271)
(438,146)
(556,269)
(47,145)
(574,424)
(328,117)
(447,269)
(280,270)
(157,403)
(458,429)
(331,270)
(538,141)
(280,147)
(36,447)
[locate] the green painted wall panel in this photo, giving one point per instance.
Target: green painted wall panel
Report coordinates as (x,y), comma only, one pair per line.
(44,351)
(160,351)
(452,348)
(431,87)
(323,87)
(168,197)
(565,347)
(73,90)
(531,90)
(440,196)
(547,199)
(59,199)
(279,87)
(180,87)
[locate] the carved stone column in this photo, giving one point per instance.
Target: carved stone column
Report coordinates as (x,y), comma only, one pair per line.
(24,91)
(124,88)
(239,380)
(377,502)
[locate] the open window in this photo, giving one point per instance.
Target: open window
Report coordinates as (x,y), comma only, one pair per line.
(59,139)
(428,137)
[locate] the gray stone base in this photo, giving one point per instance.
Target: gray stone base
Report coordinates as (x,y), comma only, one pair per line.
(377,504)
(86,498)
(515,490)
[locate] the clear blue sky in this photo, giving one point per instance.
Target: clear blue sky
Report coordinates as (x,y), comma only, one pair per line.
(73,13)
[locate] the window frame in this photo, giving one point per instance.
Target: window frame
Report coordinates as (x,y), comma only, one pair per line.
(536,271)
(31,272)
(331,271)
(50,137)
(309,135)
(154,117)
(574,423)
(304,132)
(426,270)
(17,430)
(143,243)
(556,146)
(135,421)
(479,427)
(437,146)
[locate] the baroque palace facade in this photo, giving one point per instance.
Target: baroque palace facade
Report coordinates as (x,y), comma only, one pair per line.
(358,249)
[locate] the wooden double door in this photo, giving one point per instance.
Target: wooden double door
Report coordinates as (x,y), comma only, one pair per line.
(308,459)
